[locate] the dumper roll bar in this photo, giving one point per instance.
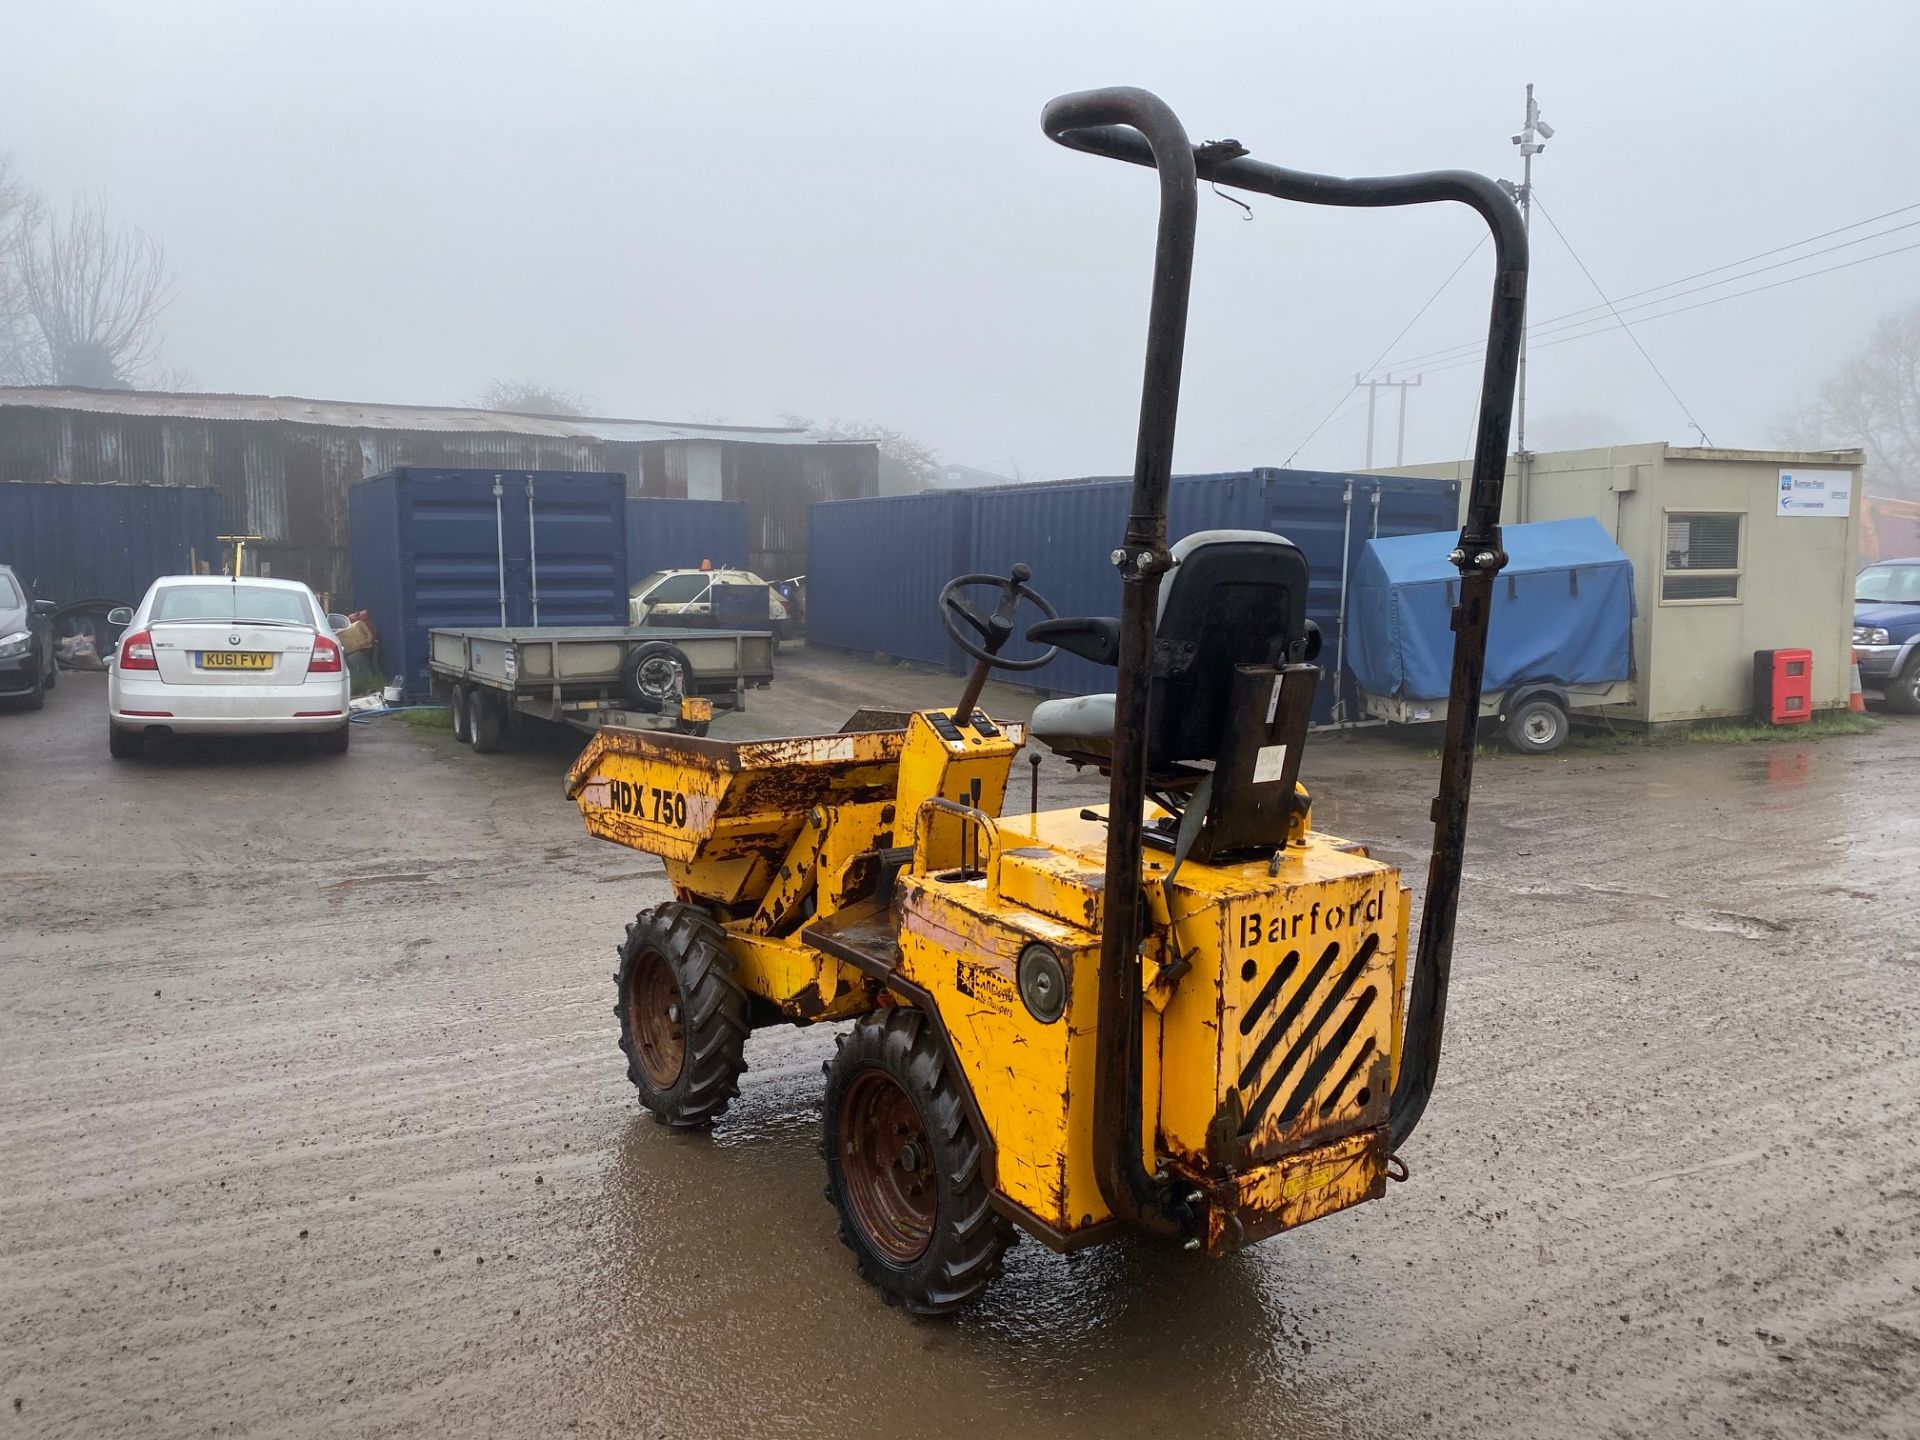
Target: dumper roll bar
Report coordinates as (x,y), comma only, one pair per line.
(1138,127)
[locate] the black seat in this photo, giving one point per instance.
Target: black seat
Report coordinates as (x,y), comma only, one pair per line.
(1234,597)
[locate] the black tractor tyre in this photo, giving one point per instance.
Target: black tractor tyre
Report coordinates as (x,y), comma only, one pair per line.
(1538,726)
(125,744)
(486,721)
(683,1015)
(917,1218)
(1903,690)
(654,676)
(459,706)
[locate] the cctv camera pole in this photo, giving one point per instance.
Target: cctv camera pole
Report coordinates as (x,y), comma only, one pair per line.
(1532,139)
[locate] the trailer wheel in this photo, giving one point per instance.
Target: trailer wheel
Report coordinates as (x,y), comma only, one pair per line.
(655,675)
(457,703)
(683,1016)
(905,1167)
(486,722)
(1538,726)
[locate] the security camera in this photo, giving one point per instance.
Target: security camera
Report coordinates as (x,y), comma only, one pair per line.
(1546,130)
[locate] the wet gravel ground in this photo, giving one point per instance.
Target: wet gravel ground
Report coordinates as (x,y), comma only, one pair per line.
(312,1123)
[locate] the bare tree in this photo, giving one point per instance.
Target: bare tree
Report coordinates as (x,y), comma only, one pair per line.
(19,343)
(906,464)
(531,397)
(94,293)
(1872,403)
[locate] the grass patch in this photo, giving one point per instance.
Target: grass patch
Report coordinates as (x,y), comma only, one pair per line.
(1818,728)
(1821,727)
(437,717)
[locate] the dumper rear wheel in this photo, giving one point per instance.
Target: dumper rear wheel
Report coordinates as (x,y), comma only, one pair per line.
(906,1168)
(683,1016)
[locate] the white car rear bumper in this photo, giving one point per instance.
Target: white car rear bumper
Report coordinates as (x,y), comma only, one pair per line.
(317,705)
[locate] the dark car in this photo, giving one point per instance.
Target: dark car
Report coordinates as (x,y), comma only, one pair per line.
(1886,631)
(26,642)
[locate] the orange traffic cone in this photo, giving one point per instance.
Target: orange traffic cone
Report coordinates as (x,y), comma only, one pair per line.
(1857,701)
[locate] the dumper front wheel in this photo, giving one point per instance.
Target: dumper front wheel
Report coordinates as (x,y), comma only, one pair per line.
(906,1168)
(683,1016)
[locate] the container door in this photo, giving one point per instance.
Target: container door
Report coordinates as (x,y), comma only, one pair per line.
(451,559)
(518,503)
(576,563)
(1312,510)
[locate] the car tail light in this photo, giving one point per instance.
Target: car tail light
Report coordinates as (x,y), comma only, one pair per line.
(136,651)
(325,659)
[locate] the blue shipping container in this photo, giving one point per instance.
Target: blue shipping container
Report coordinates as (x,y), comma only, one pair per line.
(433,548)
(875,566)
(680,534)
(106,542)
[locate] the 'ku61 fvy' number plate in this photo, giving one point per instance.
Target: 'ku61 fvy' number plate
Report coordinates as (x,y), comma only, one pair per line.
(235,660)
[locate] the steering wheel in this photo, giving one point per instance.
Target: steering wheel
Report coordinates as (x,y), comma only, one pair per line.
(996,629)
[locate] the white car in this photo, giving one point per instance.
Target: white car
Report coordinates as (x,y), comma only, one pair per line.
(667,595)
(212,655)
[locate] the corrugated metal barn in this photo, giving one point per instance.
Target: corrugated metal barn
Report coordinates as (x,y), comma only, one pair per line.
(283,464)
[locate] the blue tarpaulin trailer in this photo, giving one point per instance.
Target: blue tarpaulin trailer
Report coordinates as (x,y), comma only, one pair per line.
(1560,638)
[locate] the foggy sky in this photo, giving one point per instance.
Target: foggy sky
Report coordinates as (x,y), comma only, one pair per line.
(848,210)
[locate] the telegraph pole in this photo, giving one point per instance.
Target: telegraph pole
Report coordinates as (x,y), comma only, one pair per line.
(1532,139)
(1373,387)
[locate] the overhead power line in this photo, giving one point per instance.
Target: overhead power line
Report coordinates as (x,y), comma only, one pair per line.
(1574,319)
(1577,317)
(1438,292)
(1623,324)
(1607,329)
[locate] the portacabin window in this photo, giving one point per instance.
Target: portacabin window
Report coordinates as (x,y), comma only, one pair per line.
(1702,557)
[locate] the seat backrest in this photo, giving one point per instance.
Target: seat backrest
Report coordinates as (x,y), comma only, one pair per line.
(1234,597)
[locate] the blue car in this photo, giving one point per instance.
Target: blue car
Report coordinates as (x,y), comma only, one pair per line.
(1886,631)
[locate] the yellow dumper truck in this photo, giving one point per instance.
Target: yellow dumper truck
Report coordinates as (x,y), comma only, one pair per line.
(1186,1015)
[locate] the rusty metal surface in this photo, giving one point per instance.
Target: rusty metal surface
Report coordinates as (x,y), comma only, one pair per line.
(1268,1199)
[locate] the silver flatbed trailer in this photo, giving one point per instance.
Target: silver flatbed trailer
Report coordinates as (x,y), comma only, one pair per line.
(577,675)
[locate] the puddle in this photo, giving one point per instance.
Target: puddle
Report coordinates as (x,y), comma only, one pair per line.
(1729,922)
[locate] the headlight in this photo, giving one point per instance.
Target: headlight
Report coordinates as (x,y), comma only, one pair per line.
(16,644)
(1862,635)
